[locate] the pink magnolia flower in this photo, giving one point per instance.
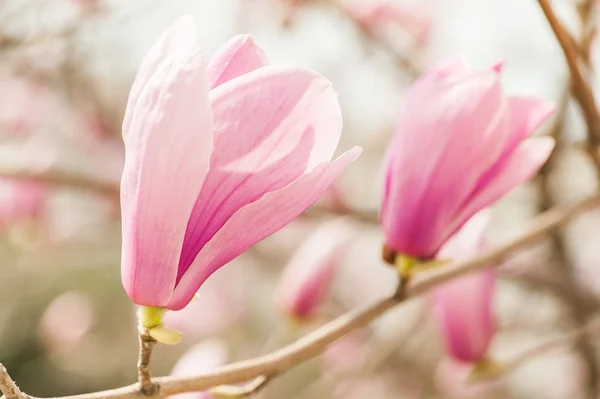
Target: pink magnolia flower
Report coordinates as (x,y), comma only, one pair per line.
(203,357)
(308,276)
(463,307)
(218,157)
(460,146)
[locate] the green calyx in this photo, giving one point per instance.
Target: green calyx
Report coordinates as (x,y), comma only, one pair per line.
(151,323)
(407,265)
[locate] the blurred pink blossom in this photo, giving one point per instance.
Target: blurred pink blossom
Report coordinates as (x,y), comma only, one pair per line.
(24,104)
(202,357)
(306,280)
(252,152)
(377,14)
(335,199)
(463,307)
(461,145)
(66,320)
(21,200)
(346,355)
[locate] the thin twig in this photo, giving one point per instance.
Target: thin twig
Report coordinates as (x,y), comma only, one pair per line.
(564,340)
(314,343)
(581,89)
(405,62)
(545,284)
(8,387)
(147,344)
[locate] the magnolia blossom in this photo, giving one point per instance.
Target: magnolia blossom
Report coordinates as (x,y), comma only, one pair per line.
(307,278)
(463,307)
(218,157)
(461,144)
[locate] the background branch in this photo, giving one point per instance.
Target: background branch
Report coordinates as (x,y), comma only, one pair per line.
(581,88)
(578,311)
(569,339)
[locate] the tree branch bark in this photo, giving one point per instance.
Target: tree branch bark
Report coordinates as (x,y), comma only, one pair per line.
(147,344)
(8,387)
(581,88)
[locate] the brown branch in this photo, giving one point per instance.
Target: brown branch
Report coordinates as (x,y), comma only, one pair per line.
(588,28)
(572,295)
(581,88)
(8,386)
(244,391)
(314,343)
(147,344)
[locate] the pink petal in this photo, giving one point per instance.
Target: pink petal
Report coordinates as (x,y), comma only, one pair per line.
(463,308)
(237,57)
(450,133)
(307,278)
(257,221)
(520,167)
(526,115)
(467,242)
(224,193)
(270,126)
(453,67)
(181,36)
(168,149)
(279,103)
